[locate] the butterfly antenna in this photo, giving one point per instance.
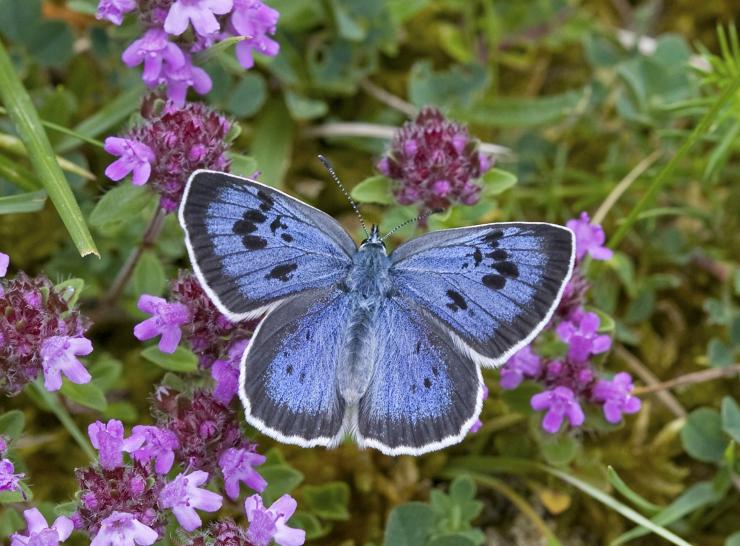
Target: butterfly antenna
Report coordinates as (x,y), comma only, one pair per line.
(423,215)
(334,176)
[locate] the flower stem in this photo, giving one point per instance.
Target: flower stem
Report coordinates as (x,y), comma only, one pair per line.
(664,174)
(58,409)
(150,235)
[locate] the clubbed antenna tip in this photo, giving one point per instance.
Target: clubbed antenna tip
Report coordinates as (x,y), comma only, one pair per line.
(334,176)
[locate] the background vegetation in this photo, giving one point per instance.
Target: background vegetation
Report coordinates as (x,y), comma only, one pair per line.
(628,110)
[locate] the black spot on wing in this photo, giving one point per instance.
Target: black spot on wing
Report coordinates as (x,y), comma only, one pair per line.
(498,254)
(457,301)
(266,202)
(289,369)
(254,242)
(507,269)
(282,272)
(492,237)
(243,227)
(276,224)
(494,282)
(477,256)
(427,383)
(254,216)
(286,237)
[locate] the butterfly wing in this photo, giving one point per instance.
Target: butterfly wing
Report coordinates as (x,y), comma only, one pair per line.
(252,246)
(493,286)
(424,394)
(287,381)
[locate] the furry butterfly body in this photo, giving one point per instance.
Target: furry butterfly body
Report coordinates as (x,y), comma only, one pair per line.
(386,348)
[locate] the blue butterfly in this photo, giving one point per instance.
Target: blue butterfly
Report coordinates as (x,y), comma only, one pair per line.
(386,348)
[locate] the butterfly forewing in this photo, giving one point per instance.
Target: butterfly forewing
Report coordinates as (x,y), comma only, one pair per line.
(494,286)
(252,246)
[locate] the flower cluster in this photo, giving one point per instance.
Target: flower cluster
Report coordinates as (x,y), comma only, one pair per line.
(571,380)
(210,335)
(40,332)
(176,29)
(170,143)
(434,162)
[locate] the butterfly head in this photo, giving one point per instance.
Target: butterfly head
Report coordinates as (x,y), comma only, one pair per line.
(374,240)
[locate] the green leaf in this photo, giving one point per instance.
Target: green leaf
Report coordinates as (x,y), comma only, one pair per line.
(733,539)
(560,449)
(497,181)
(309,523)
(12,423)
(149,276)
(272,143)
(16,17)
(462,489)
(106,371)
(523,112)
(24,202)
(51,43)
(242,165)
(122,203)
(281,479)
(619,484)
(70,290)
(719,354)
(10,522)
(182,360)
(88,395)
(304,108)
(702,436)
(409,525)
(459,86)
(212,52)
(375,189)
(248,95)
(26,120)
(731,418)
(455,539)
(13,497)
(125,411)
(329,500)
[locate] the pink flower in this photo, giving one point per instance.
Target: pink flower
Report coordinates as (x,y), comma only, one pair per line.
(4,262)
(157,443)
(560,403)
(478,423)
(589,238)
(179,79)
(108,439)
(9,480)
(237,466)
(267,524)
(123,529)
(226,373)
(167,320)
(154,50)
(255,21)
(523,364)
(39,532)
(616,395)
(182,495)
(133,156)
(580,331)
(201,13)
(114,10)
(58,357)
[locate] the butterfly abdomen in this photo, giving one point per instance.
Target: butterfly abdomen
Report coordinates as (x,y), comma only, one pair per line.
(368,283)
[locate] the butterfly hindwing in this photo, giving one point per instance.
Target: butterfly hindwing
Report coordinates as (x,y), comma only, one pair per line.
(494,286)
(424,394)
(287,381)
(252,246)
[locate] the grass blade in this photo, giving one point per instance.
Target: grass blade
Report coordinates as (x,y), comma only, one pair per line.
(15,146)
(18,175)
(24,202)
(27,122)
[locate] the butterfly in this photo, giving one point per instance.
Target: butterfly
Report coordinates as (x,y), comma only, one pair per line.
(387,348)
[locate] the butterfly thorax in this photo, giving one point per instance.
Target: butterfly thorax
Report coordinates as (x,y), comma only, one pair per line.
(369,284)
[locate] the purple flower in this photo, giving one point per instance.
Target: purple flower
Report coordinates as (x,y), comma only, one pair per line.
(617,397)
(33,311)
(179,79)
(589,238)
(237,465)
(434,161)
(114,10)
(133,156)
(580,331)
(154,50)
(559,403)
(58,357)
(123,529)
(167,319)
(182,495)
(159,444)
(39,532)
(254,20)
(523,364)
(4,262)
(266,524)
(201,13)
(108,439)
(226,373)
(9,480)
(478,423)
